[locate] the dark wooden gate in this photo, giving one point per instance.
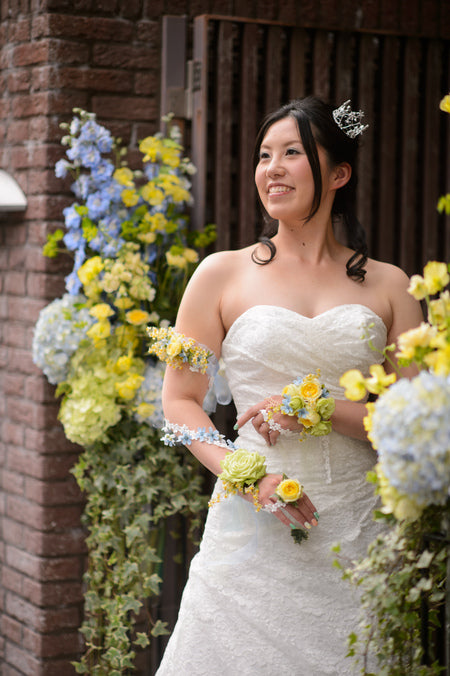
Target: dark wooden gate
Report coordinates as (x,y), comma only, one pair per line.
(222,83)
(241,69)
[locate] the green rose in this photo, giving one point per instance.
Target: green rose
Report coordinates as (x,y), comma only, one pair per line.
(320,429)
(242,467)
(325,407)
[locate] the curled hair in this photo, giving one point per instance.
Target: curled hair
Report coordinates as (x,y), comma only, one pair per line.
(316,125)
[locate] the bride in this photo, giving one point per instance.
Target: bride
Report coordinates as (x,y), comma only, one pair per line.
(299,300)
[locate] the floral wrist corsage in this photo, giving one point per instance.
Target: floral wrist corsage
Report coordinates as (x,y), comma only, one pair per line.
(241,470)
(310,401)
(289,491)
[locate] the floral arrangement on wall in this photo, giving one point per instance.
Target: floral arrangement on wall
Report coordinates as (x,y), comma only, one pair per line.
(403,578)
(133,253)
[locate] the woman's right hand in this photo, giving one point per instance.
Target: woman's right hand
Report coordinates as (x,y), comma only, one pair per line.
(303,514)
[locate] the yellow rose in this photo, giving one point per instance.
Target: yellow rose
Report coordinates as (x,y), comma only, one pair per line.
(417,287)
(99,331)
(137,317)
(127,388)
(174,347)
(145,410)
(190,255)
(123,303)
(445,104)
(436,276)
(124,176)
(101,311)
(176,260)
(90,269)
(310,419)
(130,197)
(289,490)
(354,383)
(310,388)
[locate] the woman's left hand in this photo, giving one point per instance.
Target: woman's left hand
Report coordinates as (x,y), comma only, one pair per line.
(267,423)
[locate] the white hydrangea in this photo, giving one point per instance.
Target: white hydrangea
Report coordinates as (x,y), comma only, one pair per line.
(61,327)
(411,431)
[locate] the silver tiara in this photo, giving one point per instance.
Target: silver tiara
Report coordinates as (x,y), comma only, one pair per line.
(348,120)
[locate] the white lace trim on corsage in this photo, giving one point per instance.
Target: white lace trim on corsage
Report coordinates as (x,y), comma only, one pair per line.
(181,434)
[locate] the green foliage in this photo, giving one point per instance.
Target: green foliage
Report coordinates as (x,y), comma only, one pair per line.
(132,483)
(405,567)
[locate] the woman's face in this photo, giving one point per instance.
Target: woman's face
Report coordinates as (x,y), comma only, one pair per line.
(283,175)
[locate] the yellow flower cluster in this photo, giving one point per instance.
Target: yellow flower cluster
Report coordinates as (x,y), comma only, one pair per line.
(175,349)
(289,490)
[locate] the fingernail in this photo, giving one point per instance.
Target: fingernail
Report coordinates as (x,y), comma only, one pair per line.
(314,522)
(307,525)
(236,427)
(316,514)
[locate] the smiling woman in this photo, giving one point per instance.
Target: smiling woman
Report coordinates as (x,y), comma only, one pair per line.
(326,305)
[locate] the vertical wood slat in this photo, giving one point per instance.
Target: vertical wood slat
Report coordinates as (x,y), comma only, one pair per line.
(387,138)
(408,183)
(429,151)
(383,75)
(248,122)
(368,55)
(223,135)
(199,144)
(274,68)
(298,50)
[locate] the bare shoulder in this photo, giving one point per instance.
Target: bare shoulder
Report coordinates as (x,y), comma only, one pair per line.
(391,282)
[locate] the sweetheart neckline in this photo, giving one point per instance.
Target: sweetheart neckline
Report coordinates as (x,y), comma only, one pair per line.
(298,314)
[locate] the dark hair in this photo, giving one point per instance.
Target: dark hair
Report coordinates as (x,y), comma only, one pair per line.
(315,123)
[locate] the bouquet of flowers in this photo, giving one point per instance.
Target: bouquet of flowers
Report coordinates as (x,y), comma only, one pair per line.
(409,426)
(310,401)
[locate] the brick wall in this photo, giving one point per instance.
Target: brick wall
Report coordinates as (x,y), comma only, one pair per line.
(102,55)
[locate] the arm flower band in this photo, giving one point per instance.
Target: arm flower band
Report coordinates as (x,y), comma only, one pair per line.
(241,470)
(310,401)
(181,434)
(175,349)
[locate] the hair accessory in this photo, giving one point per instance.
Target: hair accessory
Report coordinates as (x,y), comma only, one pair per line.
(348,120)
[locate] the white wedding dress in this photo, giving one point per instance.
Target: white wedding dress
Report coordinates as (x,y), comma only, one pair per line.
(256,603)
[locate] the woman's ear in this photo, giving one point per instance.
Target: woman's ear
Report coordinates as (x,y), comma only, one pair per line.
(342,174)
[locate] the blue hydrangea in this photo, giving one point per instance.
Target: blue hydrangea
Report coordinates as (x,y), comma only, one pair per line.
(61,327)
(411,430)
(150,393)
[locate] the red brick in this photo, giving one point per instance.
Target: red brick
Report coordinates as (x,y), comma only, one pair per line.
(18,131)
(43,518)
(68,542)
(133,108)
(112,55)
(13,383)
(29,53)
(25,663)
(40,466)
(15,235)
(19,81)
(13,534)
(65,51)
(13,434)
(39,389)
(13,483)
(19,31)
(51,441)
(41,619)
(11,629)
(72,26)
(12,579)
(52,493)
(52,593)
(145,83)
(15,283)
